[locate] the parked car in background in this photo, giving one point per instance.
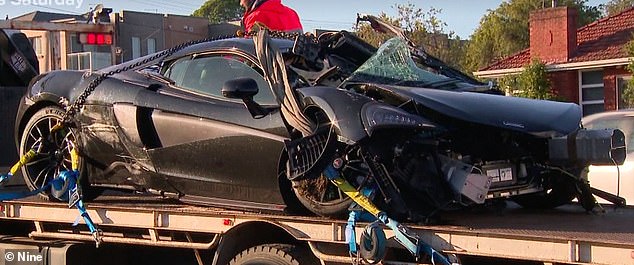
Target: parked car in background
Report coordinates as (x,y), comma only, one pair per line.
(617,180)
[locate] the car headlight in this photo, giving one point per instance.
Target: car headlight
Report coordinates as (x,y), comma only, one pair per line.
(376,116)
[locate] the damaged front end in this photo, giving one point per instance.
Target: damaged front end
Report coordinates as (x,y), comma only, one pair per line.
(425,141)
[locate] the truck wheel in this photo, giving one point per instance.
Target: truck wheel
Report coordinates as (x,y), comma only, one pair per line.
(54,156)
(275,254)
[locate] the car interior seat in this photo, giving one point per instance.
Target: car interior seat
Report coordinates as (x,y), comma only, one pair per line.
(215,73)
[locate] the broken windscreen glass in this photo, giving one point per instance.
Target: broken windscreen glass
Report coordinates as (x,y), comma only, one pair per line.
(392,64)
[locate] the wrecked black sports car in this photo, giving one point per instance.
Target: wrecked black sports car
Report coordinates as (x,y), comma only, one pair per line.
(253,125)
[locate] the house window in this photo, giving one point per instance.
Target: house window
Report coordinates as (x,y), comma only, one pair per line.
(136,47)
(621,84)
(151,45)
(591,92)
(74,44)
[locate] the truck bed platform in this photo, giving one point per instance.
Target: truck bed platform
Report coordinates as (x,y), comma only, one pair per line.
(567,234)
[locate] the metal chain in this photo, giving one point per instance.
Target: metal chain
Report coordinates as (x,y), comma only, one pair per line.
(74,108)
(282,35)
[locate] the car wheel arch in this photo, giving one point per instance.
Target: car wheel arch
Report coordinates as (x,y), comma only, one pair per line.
(29,112)
(342,108)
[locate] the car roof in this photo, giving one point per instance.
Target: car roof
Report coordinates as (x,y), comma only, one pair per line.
(609,115)
(620,119)
(243,44)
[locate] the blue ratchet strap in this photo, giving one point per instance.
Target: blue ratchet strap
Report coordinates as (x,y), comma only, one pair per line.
(351,235)
(66,193)
(7,196)
(4,177)
(357,214)
(412,242)
(60,187)
(401,233)
(89,223)
(84,213)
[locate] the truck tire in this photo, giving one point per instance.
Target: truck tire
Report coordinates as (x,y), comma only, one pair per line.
(50,163)
(275,254)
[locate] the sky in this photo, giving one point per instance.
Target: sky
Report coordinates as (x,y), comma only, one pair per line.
(461,16)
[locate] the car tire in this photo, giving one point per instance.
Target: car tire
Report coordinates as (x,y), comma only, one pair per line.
(49,164)
(275,254)
(322,197)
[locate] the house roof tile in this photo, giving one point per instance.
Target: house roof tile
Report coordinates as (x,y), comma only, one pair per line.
(600,40)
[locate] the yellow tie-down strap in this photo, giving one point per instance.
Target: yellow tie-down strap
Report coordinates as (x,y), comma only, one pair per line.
(57,127)
(356,196)
(23,160)
(74,159)
(26,158)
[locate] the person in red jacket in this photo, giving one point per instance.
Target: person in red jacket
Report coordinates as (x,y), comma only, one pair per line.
(270,13)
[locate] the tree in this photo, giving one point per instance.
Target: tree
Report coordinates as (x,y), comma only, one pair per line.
(220,10)
(424,28)
(616,6)
(533,82)
(504,31)
(628,90)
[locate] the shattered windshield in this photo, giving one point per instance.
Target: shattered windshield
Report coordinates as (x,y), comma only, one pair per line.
(392,64)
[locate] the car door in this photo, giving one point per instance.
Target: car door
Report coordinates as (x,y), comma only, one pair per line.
(209,145)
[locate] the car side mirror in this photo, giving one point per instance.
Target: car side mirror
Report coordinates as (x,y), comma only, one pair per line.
(245,88)
(240,88)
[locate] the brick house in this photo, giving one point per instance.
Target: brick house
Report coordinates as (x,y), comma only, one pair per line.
(586,65)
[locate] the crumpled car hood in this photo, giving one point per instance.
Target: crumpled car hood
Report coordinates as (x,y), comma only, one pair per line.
(538,117)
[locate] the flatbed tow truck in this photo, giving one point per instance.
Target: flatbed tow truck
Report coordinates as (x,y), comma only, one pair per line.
(566,235)
(169,231)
